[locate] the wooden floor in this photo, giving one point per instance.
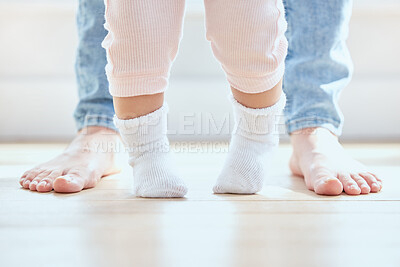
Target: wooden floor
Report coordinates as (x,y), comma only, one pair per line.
(284,225)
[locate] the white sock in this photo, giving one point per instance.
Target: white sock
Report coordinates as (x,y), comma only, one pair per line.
(252,144)
(146,140)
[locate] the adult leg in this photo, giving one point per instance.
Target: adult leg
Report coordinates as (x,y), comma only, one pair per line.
(318,67)
(89,156)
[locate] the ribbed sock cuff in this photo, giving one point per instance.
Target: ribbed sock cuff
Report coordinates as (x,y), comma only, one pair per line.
(252,122)
(144,129)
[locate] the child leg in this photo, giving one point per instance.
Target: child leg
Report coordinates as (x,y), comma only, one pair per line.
(141,45)
(247,37)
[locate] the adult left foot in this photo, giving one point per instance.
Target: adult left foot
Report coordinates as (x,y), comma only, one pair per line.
(86,160)
(326,167)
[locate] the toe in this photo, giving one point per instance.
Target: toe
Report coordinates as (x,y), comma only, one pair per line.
(37,180)
(372,182)
(22,181)
(45,185)
(68,184)
(376,177)
(349,185)
(28,176)
(33,184)
(362,184)
(379,181)
(330,186)
(26,183)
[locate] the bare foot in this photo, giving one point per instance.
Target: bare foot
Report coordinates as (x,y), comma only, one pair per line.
(80,166)
(327,169)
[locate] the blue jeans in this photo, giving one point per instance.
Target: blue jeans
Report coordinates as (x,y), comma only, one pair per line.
(318,65)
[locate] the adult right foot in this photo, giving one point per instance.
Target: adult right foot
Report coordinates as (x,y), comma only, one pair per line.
(326,167)
(86,160)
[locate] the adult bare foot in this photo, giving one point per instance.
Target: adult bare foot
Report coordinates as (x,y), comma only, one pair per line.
(80,166)
(327,169)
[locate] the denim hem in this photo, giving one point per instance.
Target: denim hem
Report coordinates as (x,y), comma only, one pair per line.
(333,126)
(95,120)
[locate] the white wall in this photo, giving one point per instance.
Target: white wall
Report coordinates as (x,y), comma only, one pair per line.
(38,91)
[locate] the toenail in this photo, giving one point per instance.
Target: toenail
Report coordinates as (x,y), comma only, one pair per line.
(67,178)
(353,187)
(42,183)
(375,185)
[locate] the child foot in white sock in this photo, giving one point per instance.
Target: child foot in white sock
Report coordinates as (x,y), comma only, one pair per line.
(251,149)
(146,140)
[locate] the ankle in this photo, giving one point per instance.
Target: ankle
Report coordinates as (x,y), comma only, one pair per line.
(90,130)
(311,131)
(312,136)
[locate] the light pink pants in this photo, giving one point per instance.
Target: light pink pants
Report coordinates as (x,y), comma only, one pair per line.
(247,38)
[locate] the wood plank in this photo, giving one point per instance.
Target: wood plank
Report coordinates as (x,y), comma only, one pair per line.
(284,225)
